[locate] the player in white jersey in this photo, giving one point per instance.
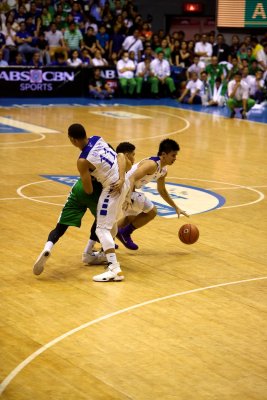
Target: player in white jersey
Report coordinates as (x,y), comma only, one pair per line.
(99,160)
(78,202)
(140,210)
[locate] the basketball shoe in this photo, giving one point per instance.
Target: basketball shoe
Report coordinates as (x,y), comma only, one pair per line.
(94,258)
(40,262)
(113,273)
(125,237)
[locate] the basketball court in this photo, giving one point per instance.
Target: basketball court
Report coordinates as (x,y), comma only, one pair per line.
(189,321)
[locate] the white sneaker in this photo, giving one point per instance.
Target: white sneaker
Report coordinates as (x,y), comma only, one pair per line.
(95,258)
(40,262)
(113,273)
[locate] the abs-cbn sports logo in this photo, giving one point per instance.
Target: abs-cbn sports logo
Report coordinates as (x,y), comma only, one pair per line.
(36,79)
(37,76)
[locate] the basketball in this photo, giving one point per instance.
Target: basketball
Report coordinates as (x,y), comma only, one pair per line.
(188,233)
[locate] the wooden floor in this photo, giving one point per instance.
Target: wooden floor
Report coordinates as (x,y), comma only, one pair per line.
(188,322)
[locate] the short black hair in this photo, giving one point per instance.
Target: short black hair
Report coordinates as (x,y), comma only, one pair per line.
(76,131)
(168,145)
(125,147)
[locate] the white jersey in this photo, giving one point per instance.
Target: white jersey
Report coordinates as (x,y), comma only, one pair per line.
(103,158)
(160,172)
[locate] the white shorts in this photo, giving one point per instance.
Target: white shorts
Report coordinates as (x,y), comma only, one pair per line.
(109,206)
(139,203)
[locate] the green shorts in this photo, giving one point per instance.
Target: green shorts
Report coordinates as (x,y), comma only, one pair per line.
(78,202)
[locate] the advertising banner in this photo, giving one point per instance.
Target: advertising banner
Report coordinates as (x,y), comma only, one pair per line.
(49,81)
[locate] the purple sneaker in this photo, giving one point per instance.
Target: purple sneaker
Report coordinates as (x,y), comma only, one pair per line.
(126,239)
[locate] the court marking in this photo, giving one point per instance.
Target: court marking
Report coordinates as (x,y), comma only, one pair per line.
(187,125)
(234,186)
(63,195)
(42,137)
(217,113)
(58,339)
(28,128)
(170,133)
(33,197)
(212,114)
(260,198)
(25,126)
(19,191)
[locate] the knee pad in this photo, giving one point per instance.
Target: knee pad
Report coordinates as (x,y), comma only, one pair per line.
(105,238)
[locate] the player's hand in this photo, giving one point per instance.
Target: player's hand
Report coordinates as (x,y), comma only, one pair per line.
(179,212)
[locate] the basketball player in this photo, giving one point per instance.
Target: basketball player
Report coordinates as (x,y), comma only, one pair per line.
(140,210)
(73,212)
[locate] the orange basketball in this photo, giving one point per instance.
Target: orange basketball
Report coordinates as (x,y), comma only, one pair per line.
(188,233)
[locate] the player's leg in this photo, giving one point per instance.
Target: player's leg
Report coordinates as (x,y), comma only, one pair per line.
(71,215)
(108,210)
(53,237)
(90,256)
(140,213)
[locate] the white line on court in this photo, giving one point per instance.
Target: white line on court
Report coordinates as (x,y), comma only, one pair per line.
(25,126)
(187,125)
(50,344)
(36,147)
(41,137)
(260,197)
(63,195)
(19,191)
(29,128)
(212,114)
(233,186)
(32,197)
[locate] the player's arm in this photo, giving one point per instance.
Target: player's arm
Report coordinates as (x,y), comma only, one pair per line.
(165,195)
(147,167)
(83,168)
(122,170)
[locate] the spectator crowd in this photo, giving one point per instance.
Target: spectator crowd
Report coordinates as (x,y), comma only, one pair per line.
(100,33)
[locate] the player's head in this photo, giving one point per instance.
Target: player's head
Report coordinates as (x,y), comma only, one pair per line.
(76,131)
(168,150)
(128,149)
(168,145)
(77,135)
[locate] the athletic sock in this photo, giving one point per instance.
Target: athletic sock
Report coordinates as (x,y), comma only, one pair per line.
(89,247)
(48,246)
(111,257)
